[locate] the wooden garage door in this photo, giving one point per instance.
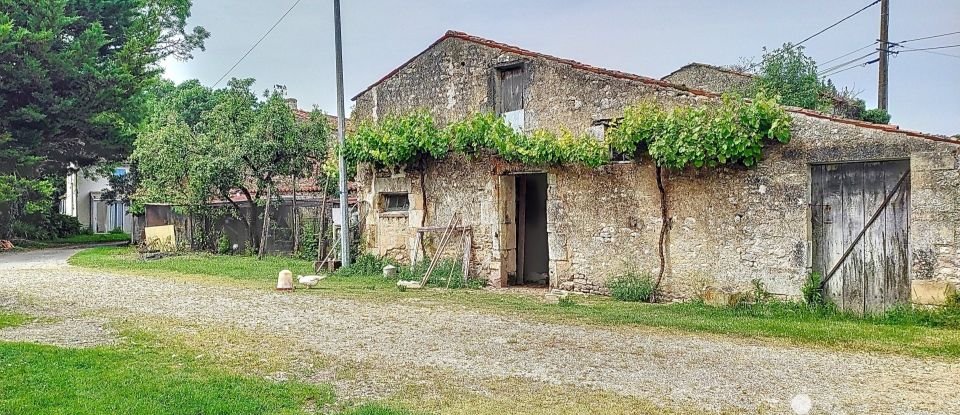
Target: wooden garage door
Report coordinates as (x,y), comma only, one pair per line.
(860,214)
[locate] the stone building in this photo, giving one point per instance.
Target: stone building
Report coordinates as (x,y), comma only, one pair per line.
(710,78)
(719,80)
(574,228)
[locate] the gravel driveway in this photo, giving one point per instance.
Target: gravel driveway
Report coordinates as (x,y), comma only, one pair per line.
(670,369)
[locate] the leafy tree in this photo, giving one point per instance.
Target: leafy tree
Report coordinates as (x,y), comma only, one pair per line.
(73,72)
(73,76)
(789,72)
(202,144)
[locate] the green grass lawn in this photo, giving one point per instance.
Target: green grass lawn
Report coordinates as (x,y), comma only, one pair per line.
(104,380)
(915,333)
(137,377)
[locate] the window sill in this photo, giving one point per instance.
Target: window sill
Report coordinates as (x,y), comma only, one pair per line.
(394,214)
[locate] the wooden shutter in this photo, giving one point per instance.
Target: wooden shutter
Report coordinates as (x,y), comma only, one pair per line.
(512,86)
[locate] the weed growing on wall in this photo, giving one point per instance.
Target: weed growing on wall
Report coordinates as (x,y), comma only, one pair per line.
(812,294)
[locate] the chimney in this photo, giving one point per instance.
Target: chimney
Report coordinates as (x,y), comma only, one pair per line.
(292,103)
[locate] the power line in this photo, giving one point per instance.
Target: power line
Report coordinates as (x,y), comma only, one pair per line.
(929,37)
(859,65)
(849,53)
(933,48)
(909,49)
(838,66)
(277,23)
(838,22)
(791,46)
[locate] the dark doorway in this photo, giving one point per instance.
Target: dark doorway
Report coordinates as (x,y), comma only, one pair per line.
(532,256)
(861,233)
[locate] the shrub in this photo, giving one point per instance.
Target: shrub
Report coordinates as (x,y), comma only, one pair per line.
(223,245)
(632,287)
(364,265)
(876,116)
(65,226)
(309,241)
(812,294)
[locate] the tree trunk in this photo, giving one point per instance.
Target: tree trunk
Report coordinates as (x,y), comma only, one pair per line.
(296,218)
(266,222)
(664,227)
(251,219)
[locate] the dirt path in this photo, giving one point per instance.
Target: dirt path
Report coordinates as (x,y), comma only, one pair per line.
(665,368)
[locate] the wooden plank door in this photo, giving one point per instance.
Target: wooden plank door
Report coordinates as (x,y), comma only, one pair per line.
(512,85)
(874,275)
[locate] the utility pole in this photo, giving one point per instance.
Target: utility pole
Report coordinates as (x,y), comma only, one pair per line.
(341,127)
(884,53)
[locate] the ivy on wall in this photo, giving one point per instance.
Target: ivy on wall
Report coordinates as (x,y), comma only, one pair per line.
(407,139)
(703,136)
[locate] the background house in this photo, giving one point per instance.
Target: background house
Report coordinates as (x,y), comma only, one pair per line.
(83,201)
(793,213)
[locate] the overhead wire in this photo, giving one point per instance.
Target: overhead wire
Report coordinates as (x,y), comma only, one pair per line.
(850,53)
(930,37)
(838,66)
(909,49)
(267,33)
(837,22)
(934,48)
(831,26)
(858,65)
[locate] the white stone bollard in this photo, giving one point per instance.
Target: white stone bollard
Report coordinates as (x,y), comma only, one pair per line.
(285,281)
(389,271)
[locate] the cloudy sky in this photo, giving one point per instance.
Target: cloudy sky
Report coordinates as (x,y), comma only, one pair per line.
(651,38)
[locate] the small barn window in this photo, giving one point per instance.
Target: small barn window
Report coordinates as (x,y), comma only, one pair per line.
(396,202)
(511,86)
(599,131)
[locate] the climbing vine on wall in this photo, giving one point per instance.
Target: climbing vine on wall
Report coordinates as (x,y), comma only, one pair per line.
(704,136)
(402,140)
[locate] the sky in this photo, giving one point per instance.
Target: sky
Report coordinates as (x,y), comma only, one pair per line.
(650,38)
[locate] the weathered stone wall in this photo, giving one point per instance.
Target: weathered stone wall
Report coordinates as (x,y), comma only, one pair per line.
(728,225)
(454,79)
(710,78)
